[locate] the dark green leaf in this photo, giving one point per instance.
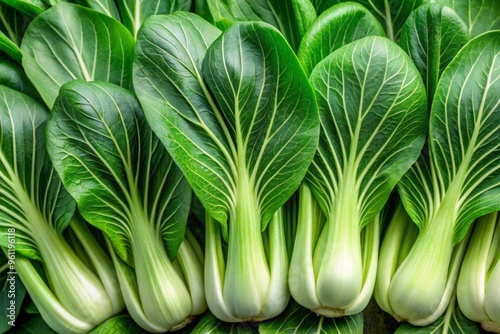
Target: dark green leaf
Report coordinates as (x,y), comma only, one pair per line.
(30,8)
(210,324)
(296,319)
(392,14)
(432,36)
(69,42)
(13,76)
(335,27)
(122,324)
(116,169)
(134,12)
(31,192)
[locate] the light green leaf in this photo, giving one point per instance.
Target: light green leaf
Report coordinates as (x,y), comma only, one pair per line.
(116,169)
(69,42)
(479,15)
(32,196)
(335,27)
(296,319)
(305,15)
(392,14)
(134,12)
(432,36)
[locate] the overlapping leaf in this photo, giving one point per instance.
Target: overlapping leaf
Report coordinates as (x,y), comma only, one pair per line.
(464,132)
(335,27)
(432,36)
(373,123)
(392,14)
(479,15)
(261,120)
(113,165)
(31,192)
(69,42)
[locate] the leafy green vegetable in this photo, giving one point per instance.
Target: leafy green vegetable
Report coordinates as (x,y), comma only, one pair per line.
(69,42)
(480,16)
(296,319)
(335,27)
(122,324)
(241,123)
(126,184)
(134,12)
(392,14)
(458,182)
(432,36)
(13,76)
(373,124)
(12,292)
(477,289)
(34,210)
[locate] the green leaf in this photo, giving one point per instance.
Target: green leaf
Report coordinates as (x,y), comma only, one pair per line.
(280,14)
(305,15)
(296,319)
(34,325)
(210,324)
(465,152)
(11,295)
(11,31)
(479,15)
(32,196)
(392,14)
(13,76)
(219,14)
(122,324)
(247,126)
(115,168)
(164,45)
(107,7)
(373,120)
(30,8)
(134,12)
(69,42)
(453,321)
(335,27)
(432,36)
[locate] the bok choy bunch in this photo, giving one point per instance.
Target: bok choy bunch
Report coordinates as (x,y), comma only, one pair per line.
(239,117)
(126,184)
(478,289)
(372,106)
(455,182)
(35,209)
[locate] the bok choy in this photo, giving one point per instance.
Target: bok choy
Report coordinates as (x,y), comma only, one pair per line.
(453,183)
(126,184)
(239,117)
(373,118)
(34,211)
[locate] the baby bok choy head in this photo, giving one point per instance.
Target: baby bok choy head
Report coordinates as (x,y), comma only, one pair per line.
(126,184)
(478,288)
(372,107)
(239,117)
(455,182)
(34,211)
